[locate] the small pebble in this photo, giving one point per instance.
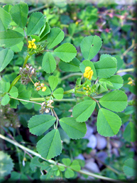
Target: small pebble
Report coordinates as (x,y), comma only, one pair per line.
(92,141)
(89,132)
(92,166)
(80,156)
(115,151)
(101,142)
(116,143)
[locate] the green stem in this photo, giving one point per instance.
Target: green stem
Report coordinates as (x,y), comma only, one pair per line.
(71,75)
(80,74)
(51,161)
(57,119)
(73,91)
(37,9)
(14,81)
(132,45)
(19,76)
(31,79)
(107,166)
(61,100)
(95,101)
(25,100)
(126,70)
(26,59)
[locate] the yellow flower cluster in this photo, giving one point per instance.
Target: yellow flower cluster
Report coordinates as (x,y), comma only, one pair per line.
(40,86)
(88,73)
(131,81)
(32,44)
(87,88)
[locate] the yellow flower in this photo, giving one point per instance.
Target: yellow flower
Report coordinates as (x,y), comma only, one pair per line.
(44,88)
(131,81)
(88,73)
(32,44)
(76,22)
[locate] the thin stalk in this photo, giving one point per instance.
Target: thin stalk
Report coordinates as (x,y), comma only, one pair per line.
(71,75)
(58,100)
(14,82)
(61,100)
(95,101)
(53,162)
(80,74)
(108,146)
(37,9)
(57,119)
(14,140)
(126,70)
(31,79)
(26,59)
(25,100)
(107,166)
(132,45)
(19,76)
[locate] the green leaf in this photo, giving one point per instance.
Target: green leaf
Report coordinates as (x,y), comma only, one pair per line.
(75,165)
(50,145)
(108,123)
(7,7)
(72,66)
(10,38)
(106,67)
(47,92)
(55,36)
(115,101)
(72,128)
(86,63)
(61,168)
(105,82)
(66,161)
(90,46)
(23,93)
(5,19)
(116,81)
(72,28)
(5,100)
(120,61)
(35,163)
(129,167)
(18,47)
(38,124)
(101,87)
(129,133)
(14,92)
(69,173)
(83,110)
(36,21)
(19,13)
(44,31)
(6,56)
(4,86)
(66,52)
(58,93)
(64,137)
(53,82)
(48,63)
(6,164)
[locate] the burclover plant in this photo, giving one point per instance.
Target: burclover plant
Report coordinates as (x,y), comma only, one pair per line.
(97,85)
